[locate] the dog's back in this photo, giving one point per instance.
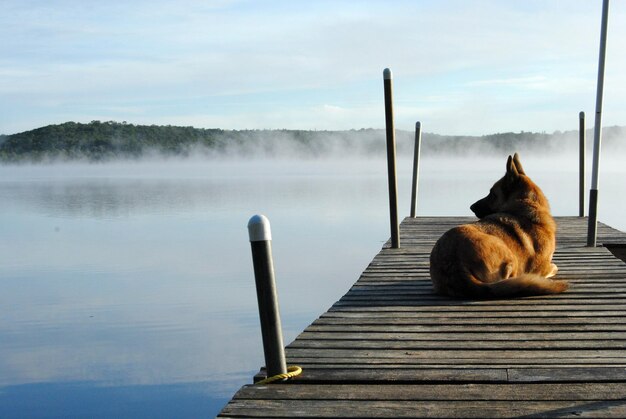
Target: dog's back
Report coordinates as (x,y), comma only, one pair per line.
(508,252)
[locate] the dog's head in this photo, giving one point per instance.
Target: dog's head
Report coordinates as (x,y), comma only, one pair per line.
(508,192)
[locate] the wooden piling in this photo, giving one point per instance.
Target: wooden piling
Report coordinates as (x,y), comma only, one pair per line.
(597,131)
(391,159)
(581,164)
(271,330)
(416,162)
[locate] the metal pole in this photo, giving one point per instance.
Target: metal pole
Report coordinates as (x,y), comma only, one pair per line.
(391,159)
(597,132)
(416,163)
(271,331)
(581,161)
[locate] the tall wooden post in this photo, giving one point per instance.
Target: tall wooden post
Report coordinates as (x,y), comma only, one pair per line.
(597,132)
(581,164)
(416,172)
(271,330)
(391,159)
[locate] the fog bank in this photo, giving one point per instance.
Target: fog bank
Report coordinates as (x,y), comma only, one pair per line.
(108,141)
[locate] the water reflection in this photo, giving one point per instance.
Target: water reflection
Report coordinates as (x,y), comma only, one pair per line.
(137,280)
(91,400)
(90,192)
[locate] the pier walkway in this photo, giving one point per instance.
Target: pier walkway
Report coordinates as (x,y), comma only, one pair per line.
(391,348)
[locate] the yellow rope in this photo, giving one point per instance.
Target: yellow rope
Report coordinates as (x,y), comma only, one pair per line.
(292,371)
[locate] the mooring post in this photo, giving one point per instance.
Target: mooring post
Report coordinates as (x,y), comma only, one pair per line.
(416,164)
(597,132)
(391,159)
(271,331)
(581,166)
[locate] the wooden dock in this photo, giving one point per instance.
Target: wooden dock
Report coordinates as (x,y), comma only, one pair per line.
(391,348)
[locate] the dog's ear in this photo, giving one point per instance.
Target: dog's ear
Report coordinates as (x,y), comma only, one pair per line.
(518,165)
(512,173)
(510,166)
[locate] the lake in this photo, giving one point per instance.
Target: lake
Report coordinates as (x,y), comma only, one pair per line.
(126,289)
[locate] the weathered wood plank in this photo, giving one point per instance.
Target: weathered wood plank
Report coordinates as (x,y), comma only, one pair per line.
(429,354)
(469,392)
(450,307)
(462,331)
(462,320)
(407,374)
(458,344)
(374,362)
(431,299)
(420,408)
(414,313)
(577,374)
(464,336)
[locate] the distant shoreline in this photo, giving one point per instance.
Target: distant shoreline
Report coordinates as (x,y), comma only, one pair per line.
(104,141)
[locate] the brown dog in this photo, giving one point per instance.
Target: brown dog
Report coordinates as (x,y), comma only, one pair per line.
(508,252)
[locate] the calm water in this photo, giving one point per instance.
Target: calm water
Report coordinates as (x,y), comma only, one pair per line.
(126,290)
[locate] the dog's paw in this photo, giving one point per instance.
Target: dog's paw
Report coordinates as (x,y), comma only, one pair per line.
(553,272)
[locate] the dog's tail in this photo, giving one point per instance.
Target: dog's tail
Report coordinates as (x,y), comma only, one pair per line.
(523,285)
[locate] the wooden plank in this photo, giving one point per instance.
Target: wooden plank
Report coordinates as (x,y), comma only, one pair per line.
(464,336)
(430,299)
(467,344)
(415,313)
(462,322)
(407,374)
(469,392)
(420,408)
(429,354)
(451,307)
(587,375)
(406,331)
(374,362)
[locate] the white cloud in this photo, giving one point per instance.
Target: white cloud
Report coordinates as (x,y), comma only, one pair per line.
(195,56)
(531,81)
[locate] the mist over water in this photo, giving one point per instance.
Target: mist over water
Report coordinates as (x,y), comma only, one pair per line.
(130,283)
(113,141)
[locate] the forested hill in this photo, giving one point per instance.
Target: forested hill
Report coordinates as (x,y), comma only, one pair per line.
(108,140)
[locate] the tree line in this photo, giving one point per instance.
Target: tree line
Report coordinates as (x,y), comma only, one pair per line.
(101,141)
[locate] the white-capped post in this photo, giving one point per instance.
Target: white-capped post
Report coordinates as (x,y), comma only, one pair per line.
(391,159)
(581,163)
(271,330)
(416,171)
(597,132)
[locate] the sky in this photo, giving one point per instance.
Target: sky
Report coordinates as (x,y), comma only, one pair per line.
(459,67)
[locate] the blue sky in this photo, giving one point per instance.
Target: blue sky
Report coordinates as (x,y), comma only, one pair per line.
(460,67)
